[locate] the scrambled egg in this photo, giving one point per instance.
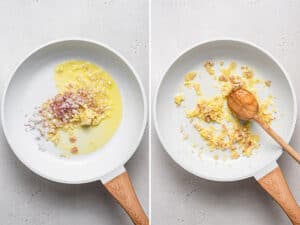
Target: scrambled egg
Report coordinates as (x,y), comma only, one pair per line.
(212,118)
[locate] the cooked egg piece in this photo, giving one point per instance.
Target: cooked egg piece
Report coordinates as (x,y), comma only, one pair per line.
(179,98)
(190,76)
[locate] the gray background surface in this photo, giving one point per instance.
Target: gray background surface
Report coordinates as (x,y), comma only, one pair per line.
(177,196)
(26,198)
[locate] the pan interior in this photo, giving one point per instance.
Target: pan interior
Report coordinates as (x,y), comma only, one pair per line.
(33,83)
(168,118)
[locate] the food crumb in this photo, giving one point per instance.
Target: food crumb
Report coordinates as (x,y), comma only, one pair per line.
(190,76)
(181,129)
(74,150)
(247,73)
(72,139)
(185,136)
(216,157)
(179,98)
(268,83)
(209,66)
(222,78)
(197,88)
(234,155)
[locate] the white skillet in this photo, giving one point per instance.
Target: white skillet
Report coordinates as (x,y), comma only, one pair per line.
(262,165)
(32,83)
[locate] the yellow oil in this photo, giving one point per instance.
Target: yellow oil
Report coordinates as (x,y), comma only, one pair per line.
(83,74)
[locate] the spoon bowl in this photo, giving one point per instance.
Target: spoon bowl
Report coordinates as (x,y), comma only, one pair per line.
(243,104)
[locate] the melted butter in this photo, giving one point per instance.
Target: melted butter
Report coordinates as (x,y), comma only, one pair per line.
(82,74)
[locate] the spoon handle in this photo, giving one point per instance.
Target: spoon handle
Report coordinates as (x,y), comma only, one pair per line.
(278,139)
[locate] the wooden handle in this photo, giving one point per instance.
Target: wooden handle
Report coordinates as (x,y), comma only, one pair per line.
(278,139)
(122,190)
(275,184)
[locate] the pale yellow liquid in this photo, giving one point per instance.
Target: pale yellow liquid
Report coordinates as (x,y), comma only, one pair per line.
(89,138)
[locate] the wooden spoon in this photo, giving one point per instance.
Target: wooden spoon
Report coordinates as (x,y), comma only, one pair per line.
(245,106)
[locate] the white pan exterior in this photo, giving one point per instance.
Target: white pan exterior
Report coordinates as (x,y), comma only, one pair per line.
(168,118)
(32,83)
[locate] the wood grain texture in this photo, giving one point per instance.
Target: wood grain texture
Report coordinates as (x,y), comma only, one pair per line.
(289,149)
(122,190)
(275,184)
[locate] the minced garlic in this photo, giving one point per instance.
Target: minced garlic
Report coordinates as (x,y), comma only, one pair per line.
(216,157)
